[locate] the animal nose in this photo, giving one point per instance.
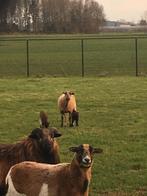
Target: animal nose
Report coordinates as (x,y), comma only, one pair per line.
(87,160)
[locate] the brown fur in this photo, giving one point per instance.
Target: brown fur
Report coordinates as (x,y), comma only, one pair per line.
(63,179)
(39,146)
(44,122)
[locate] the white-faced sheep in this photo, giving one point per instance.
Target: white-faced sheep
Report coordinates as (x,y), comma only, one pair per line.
(64,179)
(39,146)
(67,104)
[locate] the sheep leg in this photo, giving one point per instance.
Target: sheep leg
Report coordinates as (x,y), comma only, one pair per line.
(77,123)
(62,118)
(70,120)
(72,123)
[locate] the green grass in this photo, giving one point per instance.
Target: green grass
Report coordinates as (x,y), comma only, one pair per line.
(64,57)
(113,116)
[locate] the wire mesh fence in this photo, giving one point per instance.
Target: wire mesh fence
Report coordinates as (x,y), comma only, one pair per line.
(74,57)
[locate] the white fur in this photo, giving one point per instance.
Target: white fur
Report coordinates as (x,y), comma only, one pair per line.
(86,157)
(44,190)
(12,191)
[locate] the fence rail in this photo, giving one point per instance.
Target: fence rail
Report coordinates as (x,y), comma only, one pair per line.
(79,56)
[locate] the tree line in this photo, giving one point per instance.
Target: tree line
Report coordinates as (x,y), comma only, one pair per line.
(51,16)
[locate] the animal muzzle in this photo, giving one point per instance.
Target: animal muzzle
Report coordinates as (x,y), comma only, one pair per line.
(47,145)
(86,161)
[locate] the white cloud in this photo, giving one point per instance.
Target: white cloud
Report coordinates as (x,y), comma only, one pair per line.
(131,10)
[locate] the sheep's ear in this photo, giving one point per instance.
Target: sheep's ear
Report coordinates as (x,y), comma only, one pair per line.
(74,149)
(44,122)
(97,150)
(36,134)
(55,132)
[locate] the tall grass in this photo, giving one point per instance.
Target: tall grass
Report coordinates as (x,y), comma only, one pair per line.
(112,116)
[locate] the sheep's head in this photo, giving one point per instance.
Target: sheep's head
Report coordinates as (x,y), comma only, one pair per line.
(68,95)
(45,137)
(84,154)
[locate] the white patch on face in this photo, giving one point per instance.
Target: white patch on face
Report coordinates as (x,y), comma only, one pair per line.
(11,189)
(44,190)
(84,160)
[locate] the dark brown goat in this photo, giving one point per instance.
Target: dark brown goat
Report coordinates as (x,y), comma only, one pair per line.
(39,146)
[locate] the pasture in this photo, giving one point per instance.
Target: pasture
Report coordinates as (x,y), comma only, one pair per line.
(66,55)
(113,116)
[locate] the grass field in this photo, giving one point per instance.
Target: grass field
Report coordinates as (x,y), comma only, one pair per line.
(113,116)
(62,57)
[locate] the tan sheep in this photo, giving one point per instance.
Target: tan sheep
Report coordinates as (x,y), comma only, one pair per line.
(64,179)
(67,104)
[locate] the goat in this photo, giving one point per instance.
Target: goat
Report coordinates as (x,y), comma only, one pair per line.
(67,104)
(64,179)
(39,146)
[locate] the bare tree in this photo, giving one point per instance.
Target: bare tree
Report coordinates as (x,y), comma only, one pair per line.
(6,10)
(55,16)
(93,16)
(76,15)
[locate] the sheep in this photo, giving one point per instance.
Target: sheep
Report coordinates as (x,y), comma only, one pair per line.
(64,179)
(39,146)
(67,104)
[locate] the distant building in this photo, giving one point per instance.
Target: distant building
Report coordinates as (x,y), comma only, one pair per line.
(109,23)
(122,26)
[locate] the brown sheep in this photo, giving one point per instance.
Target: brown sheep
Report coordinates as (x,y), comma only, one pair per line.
(64,179)
(67,104)
(39,146)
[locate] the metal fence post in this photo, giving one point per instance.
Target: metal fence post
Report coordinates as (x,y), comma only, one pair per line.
(82,53)
(136,55)
(28,63)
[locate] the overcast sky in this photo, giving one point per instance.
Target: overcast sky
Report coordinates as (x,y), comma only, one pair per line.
(130,10)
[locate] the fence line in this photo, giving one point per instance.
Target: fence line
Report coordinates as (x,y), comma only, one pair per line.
(28,64)
(82,47)
(136,54)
